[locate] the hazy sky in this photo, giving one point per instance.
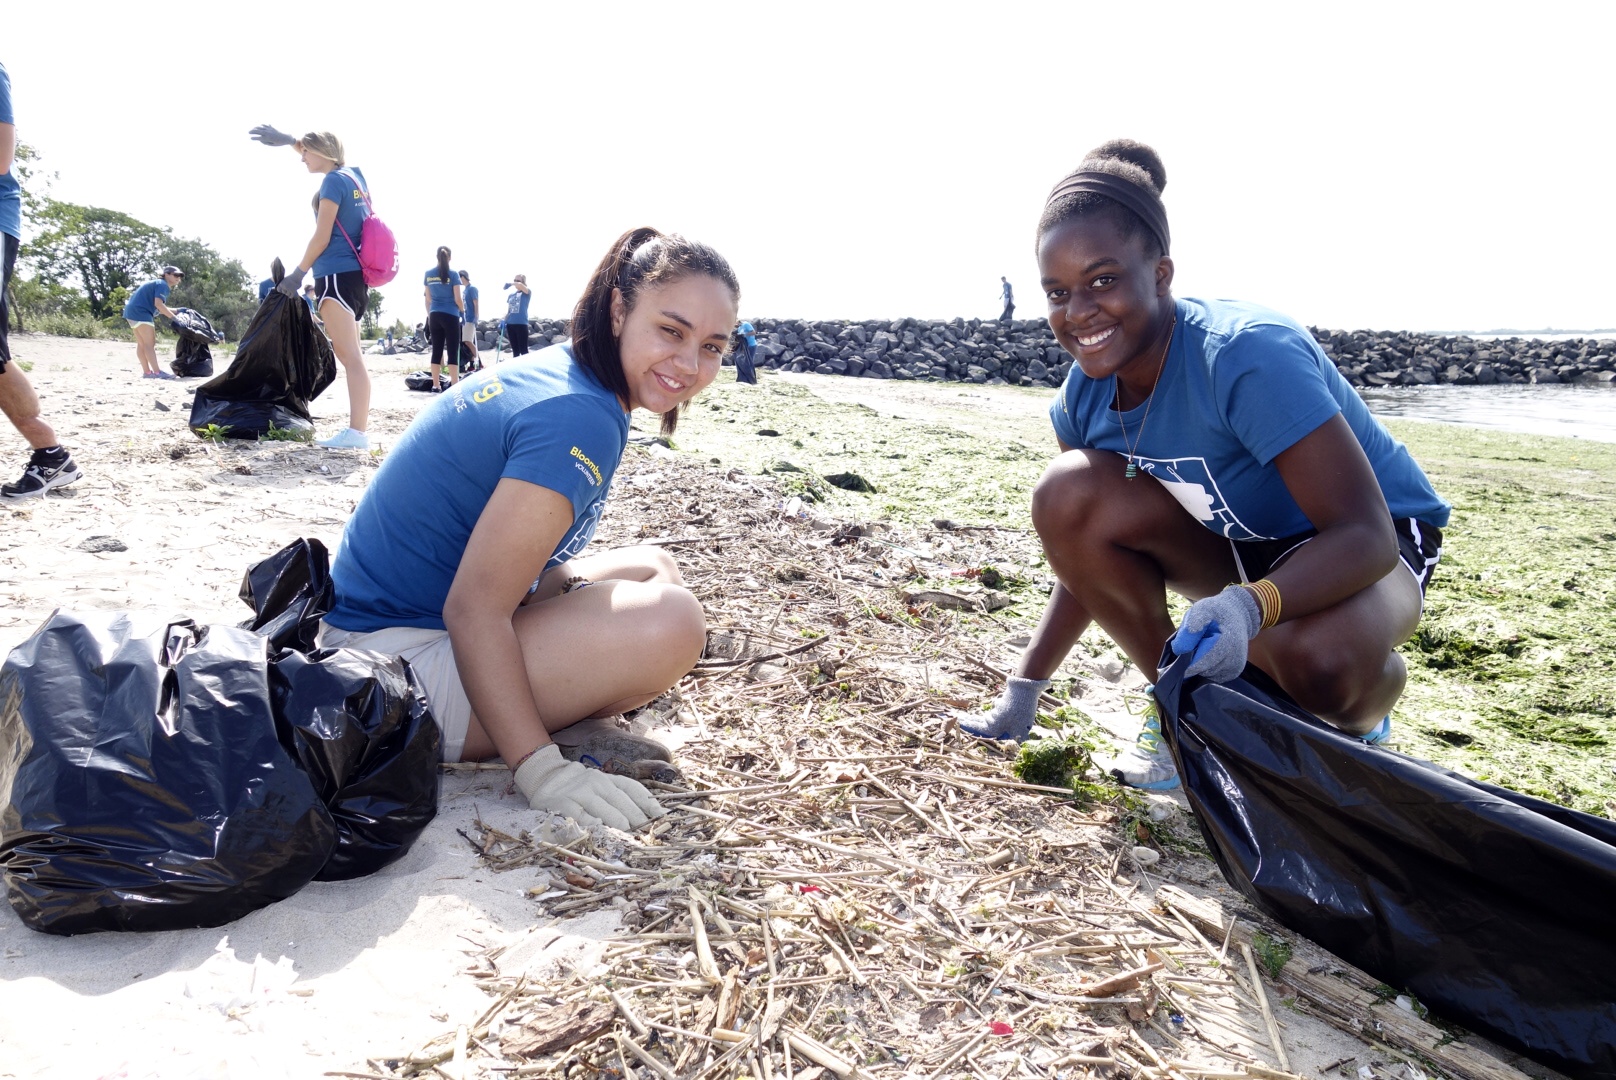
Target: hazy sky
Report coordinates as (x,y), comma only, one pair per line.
(1407,165)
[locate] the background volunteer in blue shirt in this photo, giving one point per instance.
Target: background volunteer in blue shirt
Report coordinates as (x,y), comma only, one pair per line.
(470,311)
(141,310)
(745,353)
(516,314)
(49,465)
(443,314)
(332,257)
(1204,443)
(470,565)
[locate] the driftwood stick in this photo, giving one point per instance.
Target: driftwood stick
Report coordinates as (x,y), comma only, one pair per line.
(1267,1013)
(1345,999)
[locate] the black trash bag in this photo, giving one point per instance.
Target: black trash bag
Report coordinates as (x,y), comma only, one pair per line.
(192,357)
(283,363)
(1492,907)
(418,380)
(145,781)
(355,720)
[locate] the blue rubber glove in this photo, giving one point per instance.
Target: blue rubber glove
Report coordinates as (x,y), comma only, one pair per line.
(270,137)
(292,284)
(1216,631)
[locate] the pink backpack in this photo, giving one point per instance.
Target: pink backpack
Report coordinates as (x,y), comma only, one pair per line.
(377,250)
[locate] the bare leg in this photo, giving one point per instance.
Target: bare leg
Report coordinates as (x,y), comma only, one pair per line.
(600,650)
(343,331)
(146,347)
(21,406)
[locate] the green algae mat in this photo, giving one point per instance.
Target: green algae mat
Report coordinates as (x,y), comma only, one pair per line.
(1511,675)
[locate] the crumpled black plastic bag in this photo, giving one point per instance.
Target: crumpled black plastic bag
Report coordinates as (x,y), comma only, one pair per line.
(144,780)
(283,362)
(374,760)
(192,357)
(1494,908)
(178,778)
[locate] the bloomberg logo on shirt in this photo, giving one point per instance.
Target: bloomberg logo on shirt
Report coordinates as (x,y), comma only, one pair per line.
(586,466)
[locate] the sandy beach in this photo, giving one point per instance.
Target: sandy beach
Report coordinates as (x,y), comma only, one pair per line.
(349,978)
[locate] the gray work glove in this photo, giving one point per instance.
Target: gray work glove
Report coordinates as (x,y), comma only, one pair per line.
(1216,631)
(270,137)
(1012,715)
(588,796)
(292,283)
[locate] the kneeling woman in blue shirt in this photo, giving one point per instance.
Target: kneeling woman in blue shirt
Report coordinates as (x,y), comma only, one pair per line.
(470,564)
(1204,443)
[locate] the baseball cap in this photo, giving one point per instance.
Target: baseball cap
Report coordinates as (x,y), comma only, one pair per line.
(172,269)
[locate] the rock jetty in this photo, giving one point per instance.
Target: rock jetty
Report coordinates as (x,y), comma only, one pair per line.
(1023,353)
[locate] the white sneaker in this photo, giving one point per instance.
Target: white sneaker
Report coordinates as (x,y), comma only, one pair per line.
(346,439)
(1149,765)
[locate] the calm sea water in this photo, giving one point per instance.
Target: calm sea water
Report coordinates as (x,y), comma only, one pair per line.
(1569,411)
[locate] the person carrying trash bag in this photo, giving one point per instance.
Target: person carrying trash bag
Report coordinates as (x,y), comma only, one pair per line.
(340,293)
(1211,448)
(192,357)
(744,351)
(140,311)
(471,566)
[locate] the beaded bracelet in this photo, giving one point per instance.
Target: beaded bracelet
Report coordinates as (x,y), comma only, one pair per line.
(576,582)
(1267,594)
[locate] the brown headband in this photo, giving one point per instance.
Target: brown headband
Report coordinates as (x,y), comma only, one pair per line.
(1142,201)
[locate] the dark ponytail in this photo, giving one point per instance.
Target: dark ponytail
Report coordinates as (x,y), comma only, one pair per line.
(443,265)
(639,259)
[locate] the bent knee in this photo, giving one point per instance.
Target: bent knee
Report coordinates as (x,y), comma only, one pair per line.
(661,564)
(669,620)
(1069,489)
(1328,680)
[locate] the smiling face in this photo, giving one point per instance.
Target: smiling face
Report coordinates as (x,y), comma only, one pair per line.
(315,161)
(673,339)
(1110,303)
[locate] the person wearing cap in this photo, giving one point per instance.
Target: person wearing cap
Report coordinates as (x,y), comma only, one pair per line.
(469,311)
(516,314)
(141,313)
(332,260)
(49,465)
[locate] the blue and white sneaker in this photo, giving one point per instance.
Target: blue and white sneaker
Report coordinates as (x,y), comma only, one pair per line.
(346,439)
(1380,734)
(1149,765)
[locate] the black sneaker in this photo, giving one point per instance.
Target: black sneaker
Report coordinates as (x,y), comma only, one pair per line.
(43,473)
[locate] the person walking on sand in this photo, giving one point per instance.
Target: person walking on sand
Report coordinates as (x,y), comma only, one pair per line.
(49,465)
(515,633)
(1211,448)
(470,310)
(332,258)
(1008,295)
(443,314)
(141,310)
(516,315)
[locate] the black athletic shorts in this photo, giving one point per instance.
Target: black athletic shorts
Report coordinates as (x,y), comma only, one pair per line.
(1419,546)
(347,288)
(8,263)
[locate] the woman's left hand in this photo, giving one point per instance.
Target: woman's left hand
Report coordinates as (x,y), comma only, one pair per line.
(1216,632)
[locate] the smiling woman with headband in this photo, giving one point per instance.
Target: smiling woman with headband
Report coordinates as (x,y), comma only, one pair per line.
(1211,448)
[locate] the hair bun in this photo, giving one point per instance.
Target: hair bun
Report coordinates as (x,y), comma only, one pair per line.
(1136,154)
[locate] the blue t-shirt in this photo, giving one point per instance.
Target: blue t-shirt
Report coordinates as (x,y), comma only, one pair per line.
(342,186)
(468,298)
(1241,385)
(547,422)
(749,334)
(10,190)
(516,307)
(142,305)
(265,287)
(442,292)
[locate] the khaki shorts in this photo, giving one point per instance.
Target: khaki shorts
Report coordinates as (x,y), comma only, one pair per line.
(468,333)
(432,658)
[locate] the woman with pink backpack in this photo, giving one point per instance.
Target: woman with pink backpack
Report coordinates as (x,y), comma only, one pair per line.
(333,259)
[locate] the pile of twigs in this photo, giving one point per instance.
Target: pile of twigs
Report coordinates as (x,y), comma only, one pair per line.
(845,884)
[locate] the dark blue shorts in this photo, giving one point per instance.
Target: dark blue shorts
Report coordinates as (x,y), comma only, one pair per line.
(1419,546)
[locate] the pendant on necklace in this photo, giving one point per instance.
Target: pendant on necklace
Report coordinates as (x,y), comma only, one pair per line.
(1131,471)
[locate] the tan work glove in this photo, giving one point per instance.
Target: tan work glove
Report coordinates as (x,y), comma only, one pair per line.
(588,796)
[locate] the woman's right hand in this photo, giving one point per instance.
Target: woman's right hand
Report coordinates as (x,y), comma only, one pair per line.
(588,796)
(270,137)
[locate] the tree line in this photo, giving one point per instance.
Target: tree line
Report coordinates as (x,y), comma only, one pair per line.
(82,262)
